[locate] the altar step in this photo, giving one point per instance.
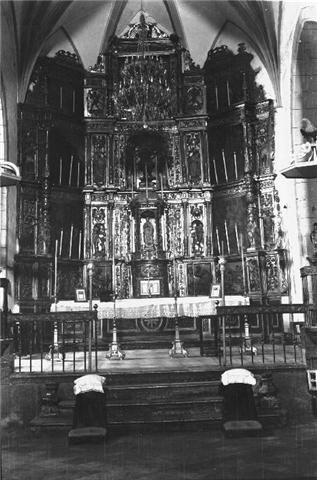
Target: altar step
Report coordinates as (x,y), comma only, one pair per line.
(148,399)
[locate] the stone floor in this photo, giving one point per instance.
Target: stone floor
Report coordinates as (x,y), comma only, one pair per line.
(287,453)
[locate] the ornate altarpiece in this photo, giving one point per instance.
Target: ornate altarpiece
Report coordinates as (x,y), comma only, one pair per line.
(147,166)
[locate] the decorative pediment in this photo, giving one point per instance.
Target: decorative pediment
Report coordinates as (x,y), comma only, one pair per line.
(143,22)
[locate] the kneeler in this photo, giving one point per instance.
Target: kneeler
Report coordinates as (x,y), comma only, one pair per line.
(89,416)
(239,409)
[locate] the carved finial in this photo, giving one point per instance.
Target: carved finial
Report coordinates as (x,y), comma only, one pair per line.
(308,130)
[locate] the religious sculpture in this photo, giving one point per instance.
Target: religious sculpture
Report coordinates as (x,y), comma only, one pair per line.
(148,234)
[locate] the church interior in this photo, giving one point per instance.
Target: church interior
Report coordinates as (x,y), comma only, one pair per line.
(158,205)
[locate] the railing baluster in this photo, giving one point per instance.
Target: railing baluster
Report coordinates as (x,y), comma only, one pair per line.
(241,341)
(85,344)
(273,337)
(18,324)
(31,340)
(63,352)
(74,345)
(95,320)
(41,336)
(230,342)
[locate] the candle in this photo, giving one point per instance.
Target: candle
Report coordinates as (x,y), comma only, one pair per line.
(60,170)
(161,177)
(242,263)
(113,269)
(235,165)
(237,237)
(55,270)
(79,245)
(227,237)
(228,93)
(215,170)
(216,95)
(71,241)
(218,242)
(78,174)
(70,170)
(61,242)
(74,100)
(60,97)
(224,164)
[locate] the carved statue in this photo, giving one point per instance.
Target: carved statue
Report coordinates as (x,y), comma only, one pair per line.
(99,239)
(197,232)
(148,233)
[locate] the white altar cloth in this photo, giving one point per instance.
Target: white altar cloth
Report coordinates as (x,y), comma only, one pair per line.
(151,307)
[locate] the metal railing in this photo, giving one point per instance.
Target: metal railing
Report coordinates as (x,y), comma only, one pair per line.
(55,342)
(71,342)
(261,335)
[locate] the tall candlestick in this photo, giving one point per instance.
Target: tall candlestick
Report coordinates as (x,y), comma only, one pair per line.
(70,170)
(79,245)
(227,237)
(235,165)
(237,237)
(161,177)
(224,164)
(71,241)
(215,170)
(60,170)
(218,241)
(61,242)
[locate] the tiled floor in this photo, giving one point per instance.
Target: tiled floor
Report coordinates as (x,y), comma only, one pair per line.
(288,453)
(143,360)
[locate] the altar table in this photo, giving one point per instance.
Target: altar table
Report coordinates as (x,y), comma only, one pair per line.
(152,307)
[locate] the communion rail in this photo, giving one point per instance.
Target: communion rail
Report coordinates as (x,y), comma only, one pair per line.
(61,342)
(263,334)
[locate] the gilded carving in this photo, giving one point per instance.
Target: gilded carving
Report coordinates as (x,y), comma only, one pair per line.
(193,156)
(99,236)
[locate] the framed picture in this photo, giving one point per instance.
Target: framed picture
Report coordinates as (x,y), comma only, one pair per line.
(80,295)
(215,290)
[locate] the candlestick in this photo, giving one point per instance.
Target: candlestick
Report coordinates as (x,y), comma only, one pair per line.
(161,177)
(235,165)
(215,170)
(60,97)
(227,237)
(71,241)
(79,245)
(113,269)
(222,249)
(224,164)
(237,237)
(61,242)
(70,170)
(218,242)
(60,170)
